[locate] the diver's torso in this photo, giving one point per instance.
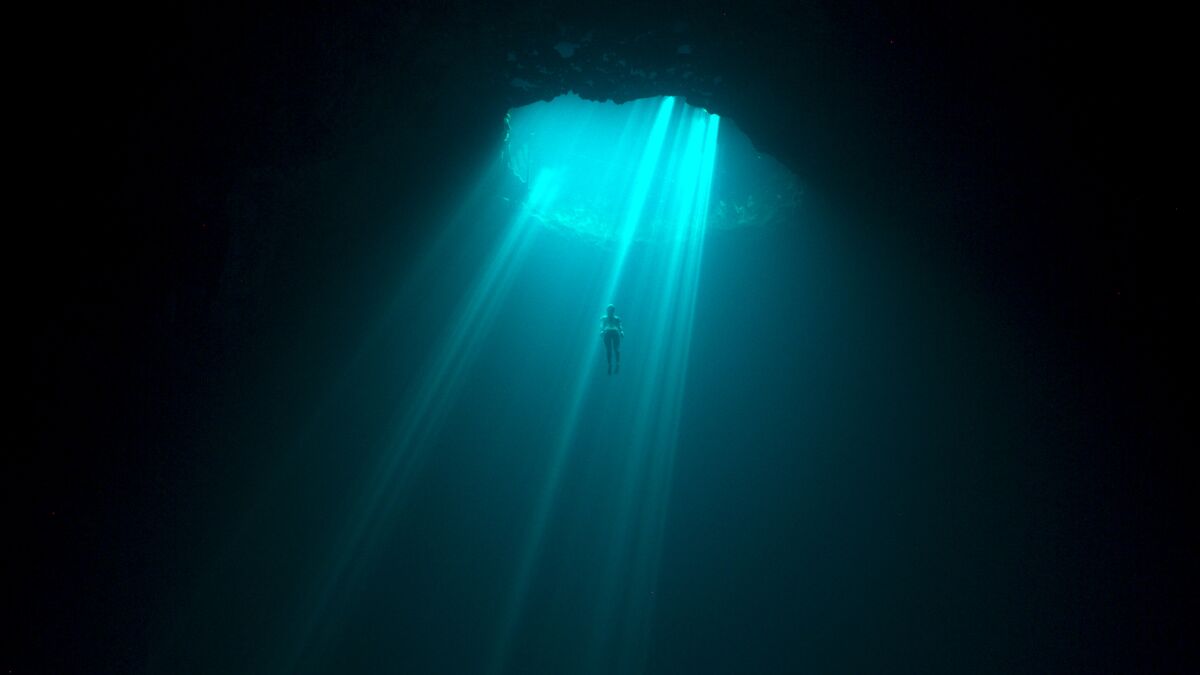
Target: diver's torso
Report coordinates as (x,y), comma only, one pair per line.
(611,322)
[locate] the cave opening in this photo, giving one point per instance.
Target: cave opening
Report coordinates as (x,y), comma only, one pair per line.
(631,170)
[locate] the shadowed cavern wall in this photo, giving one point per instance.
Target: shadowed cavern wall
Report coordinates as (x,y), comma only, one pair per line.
(234,179)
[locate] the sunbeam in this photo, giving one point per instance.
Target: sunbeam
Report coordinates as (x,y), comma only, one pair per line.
(629,188)
(675,227)
(424,412)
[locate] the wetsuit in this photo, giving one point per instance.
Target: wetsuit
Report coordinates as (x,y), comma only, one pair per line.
(611,327)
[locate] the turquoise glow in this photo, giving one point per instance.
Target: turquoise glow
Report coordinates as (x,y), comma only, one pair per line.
(664,201)
(625,189)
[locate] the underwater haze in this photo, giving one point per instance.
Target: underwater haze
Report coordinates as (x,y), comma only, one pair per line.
(805,461)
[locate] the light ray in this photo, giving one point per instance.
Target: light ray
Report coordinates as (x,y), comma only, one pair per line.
(421,417)
(655,178)
(649,447)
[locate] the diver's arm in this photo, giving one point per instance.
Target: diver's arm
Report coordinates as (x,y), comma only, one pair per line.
(620,328)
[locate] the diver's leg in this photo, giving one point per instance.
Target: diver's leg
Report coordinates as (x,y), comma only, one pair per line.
(608,350)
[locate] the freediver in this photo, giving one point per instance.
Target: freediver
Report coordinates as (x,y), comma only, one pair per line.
(610,328)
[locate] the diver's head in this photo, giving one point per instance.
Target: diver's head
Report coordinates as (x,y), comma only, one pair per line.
(612,309)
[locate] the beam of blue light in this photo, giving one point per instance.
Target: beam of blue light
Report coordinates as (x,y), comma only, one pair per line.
(635,204)
(657,177)
(670,280)
(633,550)
(638,185)
(473,404)
(637,623)
(422,416)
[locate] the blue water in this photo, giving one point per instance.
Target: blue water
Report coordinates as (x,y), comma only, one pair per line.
(805,471)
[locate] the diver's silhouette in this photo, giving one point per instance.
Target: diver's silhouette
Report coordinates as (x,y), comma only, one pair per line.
(610,328)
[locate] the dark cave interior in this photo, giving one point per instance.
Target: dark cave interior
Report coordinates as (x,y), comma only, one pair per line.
(231,182)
